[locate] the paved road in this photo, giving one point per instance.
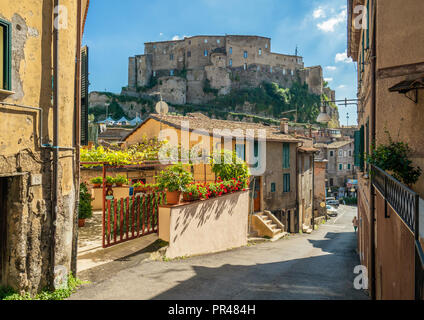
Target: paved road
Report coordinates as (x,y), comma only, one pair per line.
(315,266)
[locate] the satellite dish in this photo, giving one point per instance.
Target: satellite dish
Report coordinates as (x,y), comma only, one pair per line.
(162,107)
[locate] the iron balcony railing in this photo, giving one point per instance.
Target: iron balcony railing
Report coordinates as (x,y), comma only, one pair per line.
(402,199)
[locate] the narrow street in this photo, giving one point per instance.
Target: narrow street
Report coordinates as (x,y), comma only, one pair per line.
(315,266)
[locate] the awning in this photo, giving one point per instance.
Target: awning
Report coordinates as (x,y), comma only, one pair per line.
(408,85)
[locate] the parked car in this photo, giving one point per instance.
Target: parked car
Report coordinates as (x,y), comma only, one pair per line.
(333,202)
(331,211)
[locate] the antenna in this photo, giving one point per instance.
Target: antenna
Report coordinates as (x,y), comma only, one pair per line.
(296,51)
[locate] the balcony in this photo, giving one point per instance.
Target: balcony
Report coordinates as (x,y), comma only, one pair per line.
(394,201)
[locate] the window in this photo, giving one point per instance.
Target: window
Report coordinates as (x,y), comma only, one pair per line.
(206,53)
(256,153)
(266,45)
(340,167)
(348,166)
(292,72)
(286,155)
(188,54)
(218,41)
(231,50)
(231,62)
(154,46)
(260,51)
(5,55)
(258,68)
(245,66)
(331,182)
(206,40)
(340,153)
(306,168)
(350,153)
(345,154)
(245,54)
(331,153)
(189,42)
(171,57)
(154,73)
(272,187)
(270,69)
(286,180)
(284,71)
(240,151)
(171,72)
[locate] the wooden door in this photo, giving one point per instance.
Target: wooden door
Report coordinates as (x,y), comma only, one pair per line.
(257,195)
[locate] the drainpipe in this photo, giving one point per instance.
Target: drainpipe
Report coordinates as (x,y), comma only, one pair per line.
(55,177)
(77,136)
(373,138)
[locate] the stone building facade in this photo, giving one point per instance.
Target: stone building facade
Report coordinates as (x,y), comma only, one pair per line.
(37,237)
(222,62)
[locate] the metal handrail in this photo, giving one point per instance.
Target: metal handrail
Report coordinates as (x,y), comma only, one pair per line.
(402,199)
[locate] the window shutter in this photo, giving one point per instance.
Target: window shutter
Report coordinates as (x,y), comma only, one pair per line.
(368,24)
(256,152)
(286,155)
(357,148)
(84,96)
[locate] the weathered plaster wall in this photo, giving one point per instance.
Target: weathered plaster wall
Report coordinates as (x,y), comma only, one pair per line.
(30,209)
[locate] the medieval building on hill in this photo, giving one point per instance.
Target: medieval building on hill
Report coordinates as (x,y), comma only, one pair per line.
(196,69)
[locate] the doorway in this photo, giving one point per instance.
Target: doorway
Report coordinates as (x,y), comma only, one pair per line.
(3,229)
(257,195)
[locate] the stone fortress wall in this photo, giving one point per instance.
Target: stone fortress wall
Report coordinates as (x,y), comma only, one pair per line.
(182,67)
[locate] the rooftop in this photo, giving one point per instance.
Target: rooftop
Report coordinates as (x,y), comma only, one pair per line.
(204,124)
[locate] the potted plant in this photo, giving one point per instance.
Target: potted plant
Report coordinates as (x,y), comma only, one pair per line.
(85,210)
(97,182)
(120,180)
(191,193)
(109,181)
(173,180)
(138,187)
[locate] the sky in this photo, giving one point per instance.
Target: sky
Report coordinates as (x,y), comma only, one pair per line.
(116,30)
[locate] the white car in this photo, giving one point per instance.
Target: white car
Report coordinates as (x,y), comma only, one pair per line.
(331,211)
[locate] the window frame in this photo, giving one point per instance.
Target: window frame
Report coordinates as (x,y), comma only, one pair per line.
(7,63)
(286,155)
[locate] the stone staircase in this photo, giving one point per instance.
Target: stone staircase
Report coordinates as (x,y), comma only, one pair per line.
(265,224)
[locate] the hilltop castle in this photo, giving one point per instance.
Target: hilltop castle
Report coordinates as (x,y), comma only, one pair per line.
(195,69)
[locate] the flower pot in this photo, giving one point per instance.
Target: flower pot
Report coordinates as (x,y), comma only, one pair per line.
(173,197)
(97,185)
(119,184)
(81,223)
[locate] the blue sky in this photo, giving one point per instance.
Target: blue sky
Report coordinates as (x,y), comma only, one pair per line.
(116,30)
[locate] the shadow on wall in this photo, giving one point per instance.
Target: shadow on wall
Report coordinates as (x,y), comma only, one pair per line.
(323,277)
(215,210)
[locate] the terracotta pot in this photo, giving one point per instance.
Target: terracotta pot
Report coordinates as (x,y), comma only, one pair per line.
(97,185)
(119,184)
(81,223)
(173,197)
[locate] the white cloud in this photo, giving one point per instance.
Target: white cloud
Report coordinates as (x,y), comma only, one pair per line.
(328,79)
(161,34)
(319,13)
(342,86)
(331,68)
(176,38)
(342,57)
(330,24)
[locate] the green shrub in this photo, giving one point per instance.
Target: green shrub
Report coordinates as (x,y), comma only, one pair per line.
(174,178)
(227,166)
(97,180)
(85,209)
(120,180)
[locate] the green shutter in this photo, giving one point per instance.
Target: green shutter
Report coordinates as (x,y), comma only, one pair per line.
(256,152)
(84,96)
(7,63)
(286,155)
(273,187)
(357,148)
(286,180)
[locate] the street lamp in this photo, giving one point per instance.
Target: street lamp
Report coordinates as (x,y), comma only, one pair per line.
(323,116)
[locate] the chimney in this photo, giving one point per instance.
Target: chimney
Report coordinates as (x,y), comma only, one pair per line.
(284,126)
